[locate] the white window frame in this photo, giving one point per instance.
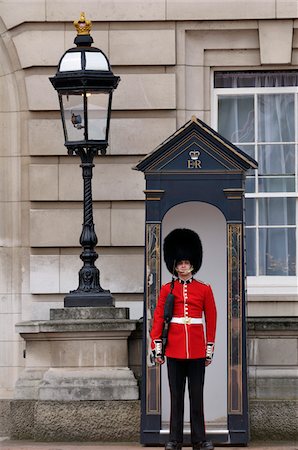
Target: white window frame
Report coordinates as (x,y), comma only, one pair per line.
(265,285)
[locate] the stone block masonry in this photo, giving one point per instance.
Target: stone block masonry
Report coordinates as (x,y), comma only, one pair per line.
(109,421)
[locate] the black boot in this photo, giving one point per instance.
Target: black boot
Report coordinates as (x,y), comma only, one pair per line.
(206,445)
(173,445)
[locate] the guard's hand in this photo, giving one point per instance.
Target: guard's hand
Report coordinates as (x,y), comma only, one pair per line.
(159,358)
(160,361)
(209,353)
(154,360)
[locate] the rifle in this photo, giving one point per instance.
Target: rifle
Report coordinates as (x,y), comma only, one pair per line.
(168,314)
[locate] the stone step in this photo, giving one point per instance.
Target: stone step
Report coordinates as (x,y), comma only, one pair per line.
(85,313)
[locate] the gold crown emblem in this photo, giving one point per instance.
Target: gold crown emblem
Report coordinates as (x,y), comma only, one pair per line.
(194,154)
(82,25)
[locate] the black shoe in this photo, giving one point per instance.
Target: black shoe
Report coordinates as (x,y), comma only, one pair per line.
(207,445)
(173,445)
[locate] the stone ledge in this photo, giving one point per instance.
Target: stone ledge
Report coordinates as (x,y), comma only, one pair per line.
(269,324)
(89,313)
(104,383)
(74,326)
(274,420)
(105,421)
(269,383)
(73,384)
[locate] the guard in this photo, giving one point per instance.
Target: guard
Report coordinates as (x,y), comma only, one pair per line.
(187,349)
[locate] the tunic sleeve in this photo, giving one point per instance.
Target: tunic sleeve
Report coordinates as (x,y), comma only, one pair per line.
(210,315)
(158,316)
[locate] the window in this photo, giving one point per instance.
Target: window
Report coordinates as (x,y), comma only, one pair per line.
(257,111)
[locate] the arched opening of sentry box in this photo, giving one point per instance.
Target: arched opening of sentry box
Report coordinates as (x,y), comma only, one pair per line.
(210,224)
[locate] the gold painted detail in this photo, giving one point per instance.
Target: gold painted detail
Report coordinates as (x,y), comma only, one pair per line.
(154,194)
(82,25)
(234,194)
(187,320)
(208,131)
(235,395)
(153,392)
(186,144)
(194,162)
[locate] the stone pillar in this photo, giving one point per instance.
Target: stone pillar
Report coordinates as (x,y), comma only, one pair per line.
(77,370)
(273,377)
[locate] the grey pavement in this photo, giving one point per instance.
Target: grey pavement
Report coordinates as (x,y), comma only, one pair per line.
(28,445)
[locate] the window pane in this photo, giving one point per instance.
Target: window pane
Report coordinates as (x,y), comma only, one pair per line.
(277,211)
(250,185)
(277,251)
(276,118)
(236,118)
(251,260)
(276,159)
(250,150)
(250,211)
(276,184)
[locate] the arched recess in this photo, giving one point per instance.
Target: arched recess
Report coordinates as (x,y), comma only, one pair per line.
(210,223)
(12,248)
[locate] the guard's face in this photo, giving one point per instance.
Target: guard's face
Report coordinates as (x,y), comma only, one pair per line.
(184,267)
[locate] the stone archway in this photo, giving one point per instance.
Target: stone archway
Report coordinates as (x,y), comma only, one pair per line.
(210,223)
(11,246)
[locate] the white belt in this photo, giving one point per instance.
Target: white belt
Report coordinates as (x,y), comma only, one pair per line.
(187,320)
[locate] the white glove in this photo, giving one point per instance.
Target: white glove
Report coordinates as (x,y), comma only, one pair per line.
(209,353)
(158,351)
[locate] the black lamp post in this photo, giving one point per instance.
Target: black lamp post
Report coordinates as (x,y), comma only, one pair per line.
(85,84)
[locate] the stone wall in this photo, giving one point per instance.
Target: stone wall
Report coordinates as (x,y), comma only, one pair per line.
(165,52)
(273,377)
(104,420)
(273,399)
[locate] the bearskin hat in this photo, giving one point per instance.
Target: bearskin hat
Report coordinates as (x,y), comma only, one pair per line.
(182,244)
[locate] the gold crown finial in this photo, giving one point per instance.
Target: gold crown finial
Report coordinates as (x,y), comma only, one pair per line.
(82,25)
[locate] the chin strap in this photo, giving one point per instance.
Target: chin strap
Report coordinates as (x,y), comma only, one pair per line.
(172,284)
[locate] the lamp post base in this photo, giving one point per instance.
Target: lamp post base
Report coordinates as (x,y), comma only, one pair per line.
(89,299)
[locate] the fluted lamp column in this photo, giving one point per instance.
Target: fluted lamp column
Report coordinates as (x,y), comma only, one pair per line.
(85,83)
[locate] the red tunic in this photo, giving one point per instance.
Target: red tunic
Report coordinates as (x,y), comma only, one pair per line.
(192,299)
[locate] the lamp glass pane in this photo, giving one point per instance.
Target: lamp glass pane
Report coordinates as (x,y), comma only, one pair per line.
(73,117)
(96,61)
(98,105)
(71,61)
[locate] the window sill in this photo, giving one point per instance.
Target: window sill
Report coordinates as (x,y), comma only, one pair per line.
(272,286)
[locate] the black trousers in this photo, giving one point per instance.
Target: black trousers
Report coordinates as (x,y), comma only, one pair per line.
(194,371)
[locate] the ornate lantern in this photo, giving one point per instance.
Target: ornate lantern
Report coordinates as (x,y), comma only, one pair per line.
(85,84)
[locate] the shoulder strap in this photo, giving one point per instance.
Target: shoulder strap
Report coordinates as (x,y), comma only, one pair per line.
(169,304)
(172,284)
